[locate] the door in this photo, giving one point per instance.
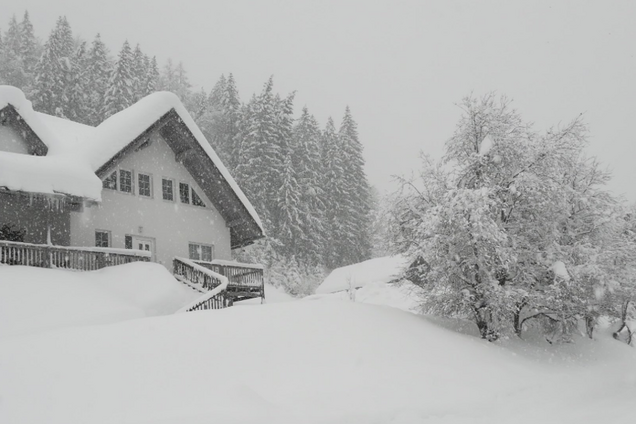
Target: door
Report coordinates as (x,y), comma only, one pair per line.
(144,243)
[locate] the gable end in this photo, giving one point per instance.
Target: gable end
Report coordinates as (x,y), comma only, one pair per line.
(9,117)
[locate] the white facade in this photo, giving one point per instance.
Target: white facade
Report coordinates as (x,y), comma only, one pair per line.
(168,226)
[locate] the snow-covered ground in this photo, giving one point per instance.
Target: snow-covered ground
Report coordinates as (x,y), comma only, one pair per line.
(319,360)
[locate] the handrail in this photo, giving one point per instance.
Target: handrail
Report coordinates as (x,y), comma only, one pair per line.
(67,257)
(195,275)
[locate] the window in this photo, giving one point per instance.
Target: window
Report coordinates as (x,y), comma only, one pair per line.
(144,184)
(125,181)
(110,182)
(196,200)
(201,252)
(102,238)
(184,192)
(128,242)
(167,190)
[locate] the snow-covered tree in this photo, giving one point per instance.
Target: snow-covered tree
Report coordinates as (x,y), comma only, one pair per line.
(28,44)
(514,229)
(52,72)
(120,92)
(78,90)
(98,72)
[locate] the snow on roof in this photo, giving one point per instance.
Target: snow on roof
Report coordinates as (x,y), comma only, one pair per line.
(373,271)
(116,132)
(59,171)
(87,148)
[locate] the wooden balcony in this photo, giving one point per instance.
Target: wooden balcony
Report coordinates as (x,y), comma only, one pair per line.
(67,257)
(245,281)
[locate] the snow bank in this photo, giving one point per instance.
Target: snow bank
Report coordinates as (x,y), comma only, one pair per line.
(36,299)
(306,362)
(373,271)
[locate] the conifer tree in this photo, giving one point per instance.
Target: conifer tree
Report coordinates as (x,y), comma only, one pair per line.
(152,76)
(356,219)
(260,166)
(139,73)
(50,94)
(97,75)
(120,93)
(28,44)
(78,98)
(11,66)
(333,186)
(309,172)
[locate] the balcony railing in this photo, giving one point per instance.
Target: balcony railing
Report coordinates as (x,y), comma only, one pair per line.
(245,280)
(66,257)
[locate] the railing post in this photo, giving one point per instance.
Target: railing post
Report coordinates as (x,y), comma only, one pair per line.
(47,257)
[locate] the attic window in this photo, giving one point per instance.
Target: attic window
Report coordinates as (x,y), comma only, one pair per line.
(125,181)
(145,185)
(167,189)
(196,200)
(110,182)
(184,192)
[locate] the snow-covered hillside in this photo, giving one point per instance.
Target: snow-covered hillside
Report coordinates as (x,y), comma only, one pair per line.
(318,360)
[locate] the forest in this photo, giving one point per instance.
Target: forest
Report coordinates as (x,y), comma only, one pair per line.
(306,180)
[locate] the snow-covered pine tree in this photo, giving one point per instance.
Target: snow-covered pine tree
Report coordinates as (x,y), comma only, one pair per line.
(119,94)
(98,72)
(356,196)
(152,77)
(28,45)
(50,94)
(260,166)
(181,83)
(289,231)
(12,70)
(139,73)
(307,159)
(333,186)
(78,98)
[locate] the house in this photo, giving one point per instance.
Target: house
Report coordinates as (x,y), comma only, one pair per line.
(144,179)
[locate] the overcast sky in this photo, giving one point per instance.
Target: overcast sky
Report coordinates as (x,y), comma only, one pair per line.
(400,65)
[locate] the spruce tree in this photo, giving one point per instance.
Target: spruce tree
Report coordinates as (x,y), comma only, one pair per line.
(97,75)
(152,76)
(120,93)
(28,44)
(52,72)
(309,171)
(356,219)
(333,183)
(139,73)
(260,167)
(78,98)
(11,66)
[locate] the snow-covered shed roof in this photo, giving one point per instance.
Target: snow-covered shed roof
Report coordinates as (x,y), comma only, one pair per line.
(50,168)
(96,150)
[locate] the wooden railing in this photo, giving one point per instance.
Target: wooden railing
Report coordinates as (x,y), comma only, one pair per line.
(211,284)
(66,257)
(245,280)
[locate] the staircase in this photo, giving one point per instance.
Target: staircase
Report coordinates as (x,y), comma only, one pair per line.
(221,283)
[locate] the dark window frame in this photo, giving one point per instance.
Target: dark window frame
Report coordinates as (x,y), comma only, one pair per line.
(131,181)
(184,193)
(99,240)
(139,185)
(163,189)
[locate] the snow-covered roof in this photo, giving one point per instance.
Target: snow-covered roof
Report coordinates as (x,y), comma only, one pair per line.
(76,152)
(370,272)
(61,171)
(117,132)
